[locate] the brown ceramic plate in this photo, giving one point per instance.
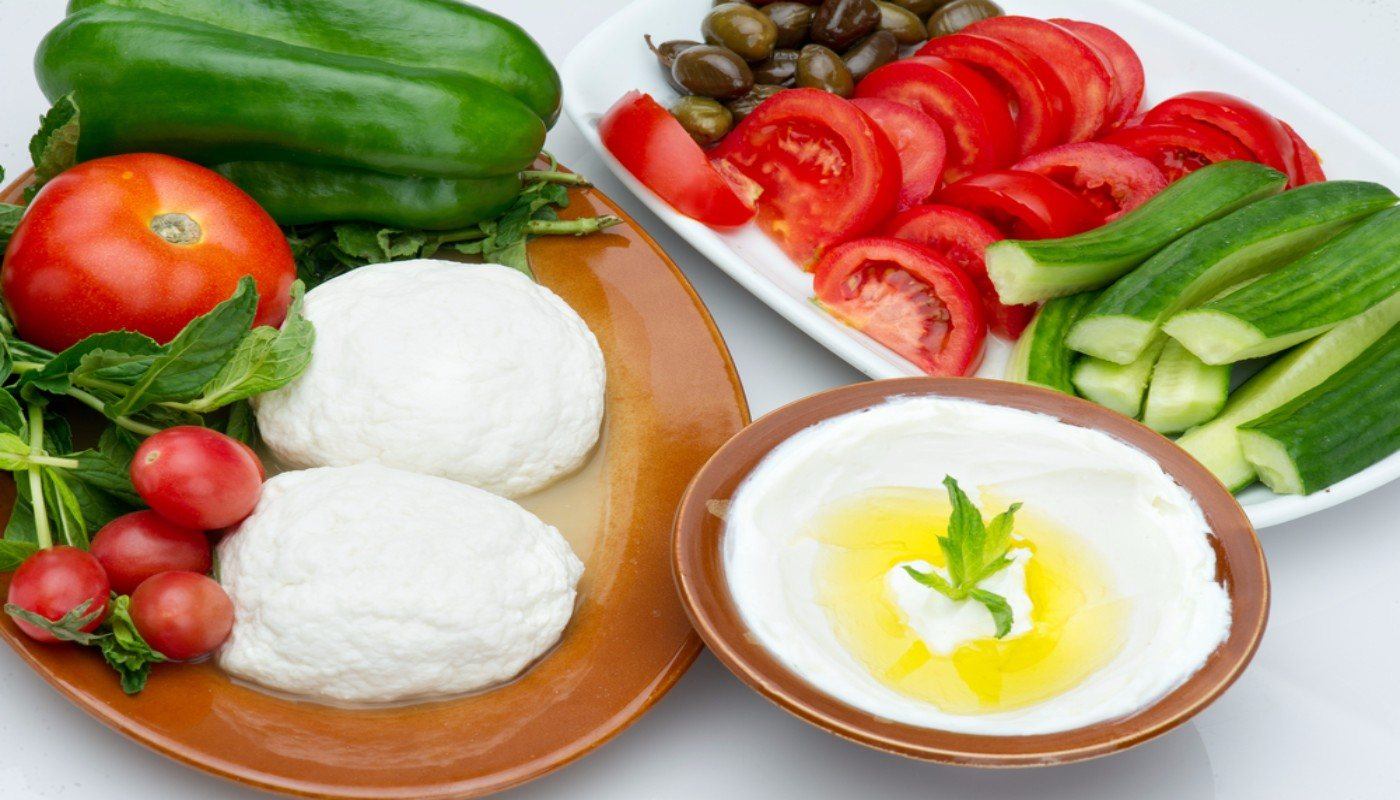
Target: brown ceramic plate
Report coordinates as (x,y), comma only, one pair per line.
(704,590)
(673,398)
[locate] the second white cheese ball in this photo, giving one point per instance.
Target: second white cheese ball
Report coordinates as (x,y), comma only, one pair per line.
(470,372)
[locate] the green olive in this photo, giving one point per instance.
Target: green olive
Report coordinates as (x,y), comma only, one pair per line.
(921,8)
(743,106)
(711,71)
(871,53)
(741,28)
(903,23)
(779,69)
(704,118)
(820,68)
(793,21)
(839,23)
(666,52)
(959,14)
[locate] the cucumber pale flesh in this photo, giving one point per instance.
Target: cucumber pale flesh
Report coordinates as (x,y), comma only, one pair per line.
(1040,355)
(1117,386)
(1185,391)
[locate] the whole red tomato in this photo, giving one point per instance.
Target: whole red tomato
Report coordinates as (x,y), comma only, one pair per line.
(141,242)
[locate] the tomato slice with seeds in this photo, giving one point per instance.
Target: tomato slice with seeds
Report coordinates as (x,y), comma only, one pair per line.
(1022,205)
(1128,80)
(1178,150)
(974,114)
(653,146)
(1309,165)
(907,298)
(1260,133)
(962,237)
(1113,179)
(1040,102)
(1081,69)
(820,170)
(919,142)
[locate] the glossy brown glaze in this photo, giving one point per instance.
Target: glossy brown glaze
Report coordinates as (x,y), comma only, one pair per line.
(699,567)
(673,398)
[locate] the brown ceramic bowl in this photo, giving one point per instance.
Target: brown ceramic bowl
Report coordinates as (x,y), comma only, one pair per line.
(699,570)
(673,398)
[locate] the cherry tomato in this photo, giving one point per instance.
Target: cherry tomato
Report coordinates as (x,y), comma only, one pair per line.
(135,546)
(919,142)
(974,114)
(907,298)
(1112,179)
(1082,71)
(182,615)
(962,238)
(1022,205)
(1178,150)
(1124,65)
(196,477)
(823,172)
(1260,133)
(57,580)
(1040,102)
(653,146)
(140,242)
(1308,164)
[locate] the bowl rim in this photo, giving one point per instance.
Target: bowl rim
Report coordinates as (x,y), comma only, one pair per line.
(697,564)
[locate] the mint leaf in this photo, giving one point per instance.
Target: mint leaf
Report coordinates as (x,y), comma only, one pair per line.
(54,147)
(65,509)
(995,603)
(266,359)
(240,423)
(9,220)
(91,355)
(13,553)
(125,650)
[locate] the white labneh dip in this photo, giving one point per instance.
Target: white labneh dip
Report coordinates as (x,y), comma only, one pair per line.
(372,585)
(1127,514)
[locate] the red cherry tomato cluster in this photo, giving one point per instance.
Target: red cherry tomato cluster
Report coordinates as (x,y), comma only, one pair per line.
(195,480)
(1013,127)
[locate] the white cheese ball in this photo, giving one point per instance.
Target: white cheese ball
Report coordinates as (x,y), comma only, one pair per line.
(471,372)
(371,584)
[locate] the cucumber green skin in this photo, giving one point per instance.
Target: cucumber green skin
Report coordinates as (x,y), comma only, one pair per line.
(1249,242)
(1098,257)
(1040,355)
(439,34)
(1184,390)
(1340,427)
(148,81)
(297,194)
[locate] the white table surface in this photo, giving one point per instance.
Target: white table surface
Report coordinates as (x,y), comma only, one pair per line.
(1317,715)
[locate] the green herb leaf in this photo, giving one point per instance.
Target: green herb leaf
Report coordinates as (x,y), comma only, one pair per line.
(93,354)
(9,220)
(12,416)
(240,423)
(266,359)
(13,553)
(124,649)
(995,603)
(65,509)
(68,628)
(55,147)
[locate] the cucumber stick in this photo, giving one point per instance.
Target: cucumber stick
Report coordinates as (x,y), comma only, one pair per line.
(1216,443)
(1356,271)
(1185,391)
(1340,427)
(1117,386)
(1031,271)
(1040,355)
(1252,241)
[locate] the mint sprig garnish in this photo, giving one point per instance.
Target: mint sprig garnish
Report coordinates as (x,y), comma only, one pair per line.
(975,551)
(121,644)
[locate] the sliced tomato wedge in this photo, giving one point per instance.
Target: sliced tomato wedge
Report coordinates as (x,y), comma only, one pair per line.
(653,146)
(1309,165)
(907,298)
(962,237)
(974,114)
(1128,80)
(919,142)
(1256,129)
(1081,69)
(819,169)
(1178,150)
(1022,205)
(1112,179)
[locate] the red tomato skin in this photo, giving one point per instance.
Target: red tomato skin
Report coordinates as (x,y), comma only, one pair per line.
(1260,133)
(1125,66)
(653,146)
(842,283)
(57,580)
(974,114)
(1041,100)
(135,546)
(1113,179)
(1309,165)
(917,139)
(1023,205)
(85,260)
(196,477)
(822,170)
(182,615)
(1178,150)
(962,237)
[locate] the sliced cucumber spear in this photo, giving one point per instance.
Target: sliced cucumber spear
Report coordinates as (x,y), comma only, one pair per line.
(1356,271)
(1040,355)
(1340,427)
(1031,271)
(1185,391)
(1117,386)
(1252,241)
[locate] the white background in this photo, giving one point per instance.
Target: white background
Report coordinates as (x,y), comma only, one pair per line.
(1317,715)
